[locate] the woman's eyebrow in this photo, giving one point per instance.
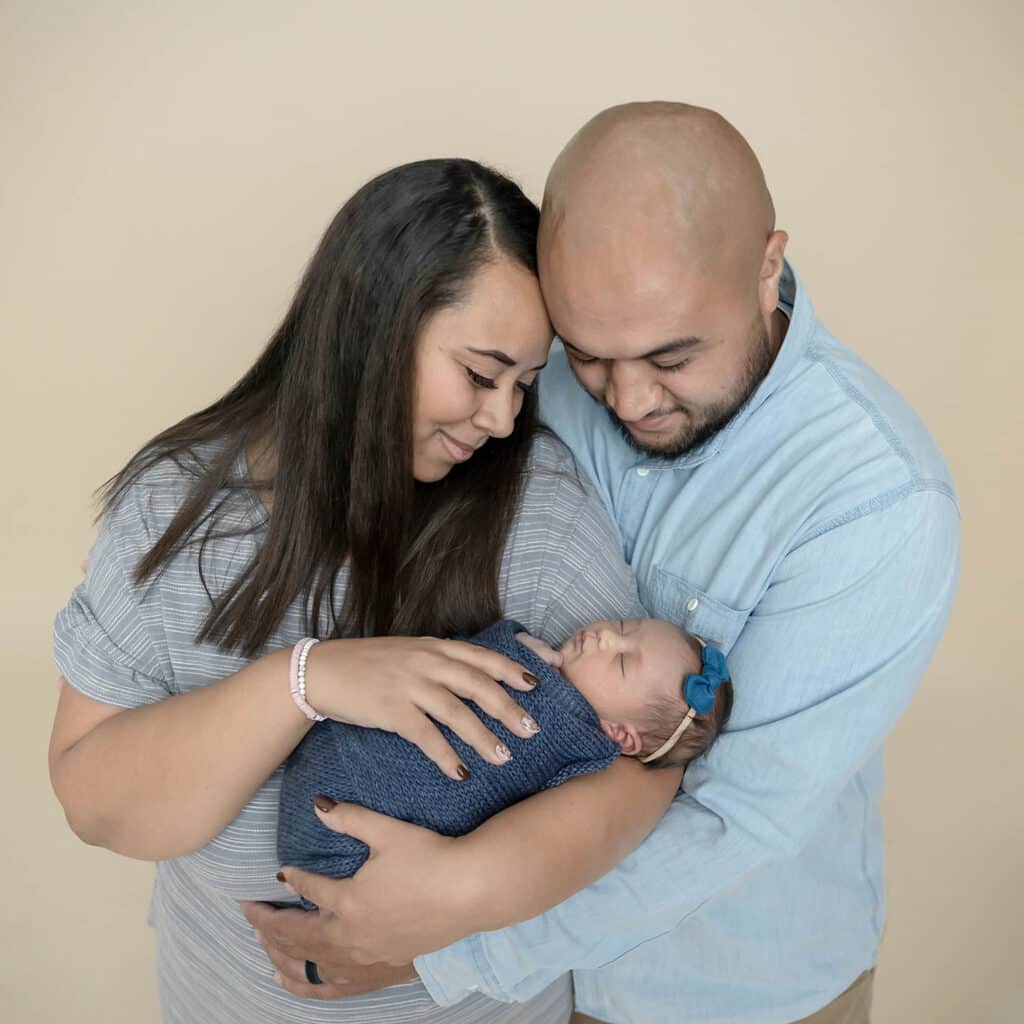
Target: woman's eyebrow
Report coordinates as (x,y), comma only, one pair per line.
(502,357)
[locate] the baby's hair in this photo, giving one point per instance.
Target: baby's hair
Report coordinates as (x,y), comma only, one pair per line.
(663,715)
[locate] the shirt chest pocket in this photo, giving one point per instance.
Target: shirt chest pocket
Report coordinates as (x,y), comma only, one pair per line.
(677,600)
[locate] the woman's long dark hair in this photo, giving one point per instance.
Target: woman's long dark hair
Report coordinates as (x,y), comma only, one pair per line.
(332,396)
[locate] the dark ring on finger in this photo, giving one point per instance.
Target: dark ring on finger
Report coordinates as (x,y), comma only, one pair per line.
(312,974)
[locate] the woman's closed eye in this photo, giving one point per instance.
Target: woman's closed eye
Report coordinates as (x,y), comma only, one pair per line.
(480,381)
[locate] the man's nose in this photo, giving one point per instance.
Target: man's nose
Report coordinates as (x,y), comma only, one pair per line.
(630,391)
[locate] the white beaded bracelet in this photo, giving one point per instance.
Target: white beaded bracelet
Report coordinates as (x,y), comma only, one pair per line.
(297,678)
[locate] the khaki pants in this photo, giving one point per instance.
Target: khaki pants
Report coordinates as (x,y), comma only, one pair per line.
(852,1007)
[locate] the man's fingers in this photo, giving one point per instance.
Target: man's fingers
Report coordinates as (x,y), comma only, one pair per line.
(295,932)
(257,914)
(304,990)
(287,965)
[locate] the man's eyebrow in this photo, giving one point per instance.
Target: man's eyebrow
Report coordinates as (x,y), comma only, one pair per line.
(673,347)
(502,357)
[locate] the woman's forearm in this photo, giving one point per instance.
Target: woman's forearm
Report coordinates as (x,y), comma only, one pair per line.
(159,781)
(540,851)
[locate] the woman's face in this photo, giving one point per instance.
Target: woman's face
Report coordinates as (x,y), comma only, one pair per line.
(474,362)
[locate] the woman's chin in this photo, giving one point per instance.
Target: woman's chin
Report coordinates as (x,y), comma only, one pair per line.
(430,472)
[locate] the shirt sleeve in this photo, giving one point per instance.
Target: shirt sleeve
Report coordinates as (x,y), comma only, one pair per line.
(824,667)
(108,639)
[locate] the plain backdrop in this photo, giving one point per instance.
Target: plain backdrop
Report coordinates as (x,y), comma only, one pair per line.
(165,172)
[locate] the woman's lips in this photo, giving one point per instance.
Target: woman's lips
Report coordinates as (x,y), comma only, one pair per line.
(459,452)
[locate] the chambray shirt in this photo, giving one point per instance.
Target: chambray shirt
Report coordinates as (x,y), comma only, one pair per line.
(816,540)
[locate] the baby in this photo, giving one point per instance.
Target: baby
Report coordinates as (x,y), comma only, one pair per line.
(641,688)
(649,682)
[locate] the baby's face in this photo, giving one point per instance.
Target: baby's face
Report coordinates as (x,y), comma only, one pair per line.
(619,666)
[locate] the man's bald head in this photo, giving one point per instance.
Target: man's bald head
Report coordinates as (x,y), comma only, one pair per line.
(668,175)
(660,266)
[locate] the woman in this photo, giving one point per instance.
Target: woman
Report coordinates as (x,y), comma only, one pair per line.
(373,480)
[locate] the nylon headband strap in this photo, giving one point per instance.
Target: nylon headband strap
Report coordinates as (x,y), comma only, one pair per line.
(680,729)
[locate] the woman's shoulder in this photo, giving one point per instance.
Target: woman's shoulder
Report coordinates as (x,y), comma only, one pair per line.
(557,498)
(156,492)
(551,470)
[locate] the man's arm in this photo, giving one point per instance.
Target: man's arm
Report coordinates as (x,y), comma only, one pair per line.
(823,669)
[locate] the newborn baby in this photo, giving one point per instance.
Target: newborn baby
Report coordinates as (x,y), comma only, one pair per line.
(642,688)
(634,674)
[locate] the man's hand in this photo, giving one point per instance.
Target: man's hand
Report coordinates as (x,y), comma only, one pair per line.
(414,895)
(283,933)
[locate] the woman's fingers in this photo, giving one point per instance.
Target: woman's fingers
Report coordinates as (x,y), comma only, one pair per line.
(471,683)
(491,663)
(491,698)
(445,707)
(419,730)
(543,651)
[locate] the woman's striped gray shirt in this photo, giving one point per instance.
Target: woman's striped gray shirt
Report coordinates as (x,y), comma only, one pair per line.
(128,645)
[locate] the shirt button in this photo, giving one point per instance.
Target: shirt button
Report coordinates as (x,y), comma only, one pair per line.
(691,605)
(642,471)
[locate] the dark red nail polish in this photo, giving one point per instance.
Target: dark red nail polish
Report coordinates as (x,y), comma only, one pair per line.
(280,876)
(531,678)
(325,804)
(463,771)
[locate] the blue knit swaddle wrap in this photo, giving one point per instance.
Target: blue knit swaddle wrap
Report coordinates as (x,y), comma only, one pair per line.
(386,773)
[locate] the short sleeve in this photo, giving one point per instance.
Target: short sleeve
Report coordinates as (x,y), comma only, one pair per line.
(108,639)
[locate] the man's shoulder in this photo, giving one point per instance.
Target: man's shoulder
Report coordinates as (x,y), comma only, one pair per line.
(858,424)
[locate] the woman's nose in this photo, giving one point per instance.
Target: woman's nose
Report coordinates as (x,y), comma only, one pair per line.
(497,413)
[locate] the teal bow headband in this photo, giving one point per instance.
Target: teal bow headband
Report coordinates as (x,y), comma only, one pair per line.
(699,690)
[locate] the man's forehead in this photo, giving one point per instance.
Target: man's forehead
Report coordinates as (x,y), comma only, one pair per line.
(634,330)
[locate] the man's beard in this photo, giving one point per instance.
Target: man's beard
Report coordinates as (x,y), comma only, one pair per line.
(706,421)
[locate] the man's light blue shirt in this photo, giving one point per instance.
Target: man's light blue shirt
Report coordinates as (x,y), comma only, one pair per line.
(816,540)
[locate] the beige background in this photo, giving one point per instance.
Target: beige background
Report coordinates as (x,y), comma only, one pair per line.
(166,171)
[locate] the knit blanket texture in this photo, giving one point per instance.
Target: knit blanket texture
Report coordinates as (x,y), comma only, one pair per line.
(386,773)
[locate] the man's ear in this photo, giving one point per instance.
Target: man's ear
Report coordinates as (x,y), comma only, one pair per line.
(771,272)
(625,735)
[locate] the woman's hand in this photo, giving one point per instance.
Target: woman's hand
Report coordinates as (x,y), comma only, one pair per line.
(544,651)
(368,929)
(400,683)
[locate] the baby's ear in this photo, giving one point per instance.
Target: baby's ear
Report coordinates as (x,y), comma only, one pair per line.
(625,735)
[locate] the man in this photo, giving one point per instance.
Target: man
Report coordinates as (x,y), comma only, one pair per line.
(776,497)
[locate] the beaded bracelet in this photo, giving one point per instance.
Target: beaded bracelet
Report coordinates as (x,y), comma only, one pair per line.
(297,678)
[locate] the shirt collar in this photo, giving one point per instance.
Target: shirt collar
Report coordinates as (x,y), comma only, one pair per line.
(793,301)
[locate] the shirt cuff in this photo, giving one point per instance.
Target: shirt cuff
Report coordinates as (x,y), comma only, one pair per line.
(452,973)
